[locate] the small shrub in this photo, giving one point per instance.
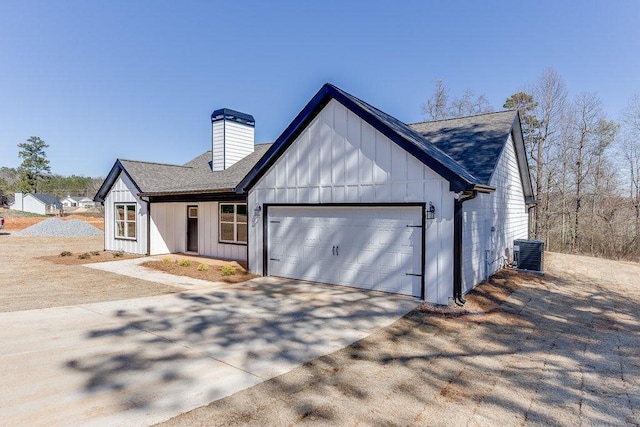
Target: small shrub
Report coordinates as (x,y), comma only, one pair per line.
(184,263)
(95,253)
(227,270)
(203,267)
(65,253)
(166,260)
(118,254)
(85,255)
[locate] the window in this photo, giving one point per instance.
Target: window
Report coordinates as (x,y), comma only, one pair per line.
(233,222)
(126,220)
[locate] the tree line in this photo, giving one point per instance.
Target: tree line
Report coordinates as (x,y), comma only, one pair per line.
(34,176)
(584,165)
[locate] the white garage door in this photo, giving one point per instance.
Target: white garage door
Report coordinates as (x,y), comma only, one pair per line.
(376,248)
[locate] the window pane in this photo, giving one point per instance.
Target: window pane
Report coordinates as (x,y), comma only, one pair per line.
(120,228)
(131,212)
(226,213)
(242,233)
(242,213)
(119,212)
(226,232)
(131,229)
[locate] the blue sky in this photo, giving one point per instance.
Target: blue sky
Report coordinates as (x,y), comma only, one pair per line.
(98,80)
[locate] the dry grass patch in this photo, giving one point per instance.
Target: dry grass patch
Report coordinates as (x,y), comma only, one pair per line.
(202,271)
(78,258)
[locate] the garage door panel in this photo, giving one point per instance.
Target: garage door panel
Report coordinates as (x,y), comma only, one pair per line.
(366,247)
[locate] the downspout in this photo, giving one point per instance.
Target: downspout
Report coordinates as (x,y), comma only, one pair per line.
(458,298)
(148,252)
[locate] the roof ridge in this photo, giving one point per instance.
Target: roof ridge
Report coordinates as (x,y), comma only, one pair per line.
(462,117)
(156,163)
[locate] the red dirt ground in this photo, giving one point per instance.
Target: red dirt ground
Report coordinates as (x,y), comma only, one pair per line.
(15,223)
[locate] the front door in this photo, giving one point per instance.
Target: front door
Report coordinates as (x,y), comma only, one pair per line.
(192,229)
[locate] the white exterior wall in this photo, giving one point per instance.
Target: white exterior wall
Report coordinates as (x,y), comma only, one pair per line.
(33,205)
(232,142)
(483,250)
(17,202)
(339,158)
(124,191)
(169,231)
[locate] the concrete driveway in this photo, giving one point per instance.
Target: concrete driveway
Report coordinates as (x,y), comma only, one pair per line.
(142,361)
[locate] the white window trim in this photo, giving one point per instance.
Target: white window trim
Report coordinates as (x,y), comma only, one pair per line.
(125,221)
(234,222)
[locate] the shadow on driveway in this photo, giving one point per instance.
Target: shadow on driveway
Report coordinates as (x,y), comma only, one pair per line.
(166,355)
(560,351)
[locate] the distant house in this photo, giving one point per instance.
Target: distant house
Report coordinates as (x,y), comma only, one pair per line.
(37,203)
(347,195)
(77,202)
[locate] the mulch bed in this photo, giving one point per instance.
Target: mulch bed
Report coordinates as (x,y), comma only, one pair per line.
(213,273)
(87,257)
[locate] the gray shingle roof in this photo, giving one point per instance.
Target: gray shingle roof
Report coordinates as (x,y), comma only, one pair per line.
(47,199)
(475,142)
(195,176)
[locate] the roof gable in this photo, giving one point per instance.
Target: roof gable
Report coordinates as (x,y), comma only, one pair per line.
(460,179)
(193,177)
(475,142)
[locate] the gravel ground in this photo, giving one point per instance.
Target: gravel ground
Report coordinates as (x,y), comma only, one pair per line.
(55,227)
(27,282)
(560,351)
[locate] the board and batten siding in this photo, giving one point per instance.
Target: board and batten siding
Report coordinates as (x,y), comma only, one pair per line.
(123,191)
(169,231)
(340,158)
(492,221)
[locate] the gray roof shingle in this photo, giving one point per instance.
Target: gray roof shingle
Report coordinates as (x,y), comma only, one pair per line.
(475,142)
(195,176)
(47,199)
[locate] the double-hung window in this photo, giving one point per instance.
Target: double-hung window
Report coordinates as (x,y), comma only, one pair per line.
(233,223)
(125,220)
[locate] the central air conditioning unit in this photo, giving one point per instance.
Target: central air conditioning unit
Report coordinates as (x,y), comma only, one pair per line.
(529,255)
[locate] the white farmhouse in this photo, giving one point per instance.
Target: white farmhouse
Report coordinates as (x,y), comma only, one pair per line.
(37,203)
(347,195)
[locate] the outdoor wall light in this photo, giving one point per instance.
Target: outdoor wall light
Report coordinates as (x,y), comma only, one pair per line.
(257,210)
(431,211)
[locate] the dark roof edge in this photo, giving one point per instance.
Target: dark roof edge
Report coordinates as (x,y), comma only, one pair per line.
(313,107)
(233,115)
(111,178)
(294,129)
(521,158)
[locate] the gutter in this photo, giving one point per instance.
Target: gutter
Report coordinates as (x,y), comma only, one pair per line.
(189,192)
(457,245)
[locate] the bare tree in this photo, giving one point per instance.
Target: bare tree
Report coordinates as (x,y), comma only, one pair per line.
(593,134)
(469,104)
(437,105)
(551,94)
(631,155)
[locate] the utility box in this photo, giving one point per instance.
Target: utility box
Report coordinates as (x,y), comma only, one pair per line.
(529,255)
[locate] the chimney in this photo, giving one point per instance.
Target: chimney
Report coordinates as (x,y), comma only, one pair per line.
(18,202)
(232,137)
